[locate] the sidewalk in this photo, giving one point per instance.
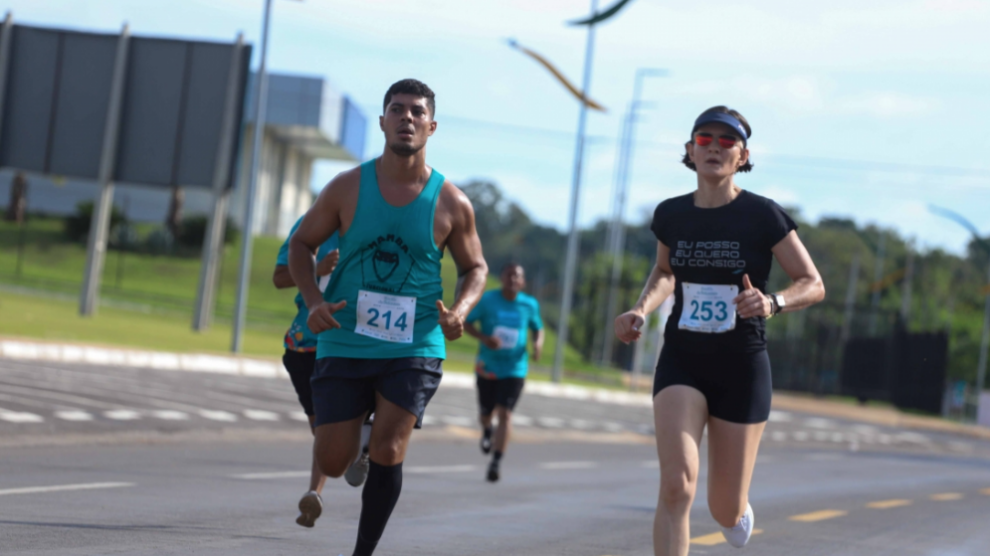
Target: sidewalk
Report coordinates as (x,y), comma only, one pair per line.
(25,349)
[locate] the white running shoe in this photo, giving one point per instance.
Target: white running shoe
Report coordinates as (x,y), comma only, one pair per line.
(739,535)
(310,508)
(358,471)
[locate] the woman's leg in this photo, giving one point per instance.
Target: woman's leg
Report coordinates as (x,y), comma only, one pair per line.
(732,449)
(680,413)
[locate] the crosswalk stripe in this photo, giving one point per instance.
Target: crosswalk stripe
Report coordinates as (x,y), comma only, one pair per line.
(261,415)
(170,415)
(20,417)
(299,416)
(218,415)
(74,415)
(559,465)
(946,496)
(122,414)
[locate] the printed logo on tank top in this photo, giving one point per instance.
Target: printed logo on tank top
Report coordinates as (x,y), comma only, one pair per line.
(707,254)
(386,264)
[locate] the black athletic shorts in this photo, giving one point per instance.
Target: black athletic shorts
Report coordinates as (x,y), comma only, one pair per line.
(344,388)
(736,385)
(300,365)
(503,391)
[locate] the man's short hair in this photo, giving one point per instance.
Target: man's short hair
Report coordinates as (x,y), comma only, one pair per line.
(509,266)
(413,87)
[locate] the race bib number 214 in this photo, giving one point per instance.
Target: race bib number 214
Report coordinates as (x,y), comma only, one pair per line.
(390,318)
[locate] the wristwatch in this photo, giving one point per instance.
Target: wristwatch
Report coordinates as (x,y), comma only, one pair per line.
(778,303)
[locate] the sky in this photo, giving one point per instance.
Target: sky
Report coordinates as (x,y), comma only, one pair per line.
(864,110)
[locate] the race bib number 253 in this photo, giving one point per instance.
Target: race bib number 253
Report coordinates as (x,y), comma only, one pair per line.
(708,308)
(390,318)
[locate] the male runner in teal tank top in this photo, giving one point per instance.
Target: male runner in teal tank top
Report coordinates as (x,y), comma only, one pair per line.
(381,321)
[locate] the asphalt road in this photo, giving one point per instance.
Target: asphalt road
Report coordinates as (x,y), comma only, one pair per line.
(582,480)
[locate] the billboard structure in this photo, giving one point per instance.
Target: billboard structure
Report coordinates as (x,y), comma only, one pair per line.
(117,108)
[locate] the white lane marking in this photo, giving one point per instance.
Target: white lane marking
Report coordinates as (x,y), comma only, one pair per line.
(778,436)
(779,416)
(821,436)
(74,415)
(612,426)
(122,414)
(441,469)
(299,416)
(800,436)
(550,422)
(271,475)
(61,488)
(170,415)
(838,437)
(261,415)
(819,423)
(457,421)
(561,465)
(885,438)
(522,420)
(581,424)
(20,417)
(865,429)
(218,415)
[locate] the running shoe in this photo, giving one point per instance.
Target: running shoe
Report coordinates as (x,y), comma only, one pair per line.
(739,535)
(310,508)
(486,441)
(493,474)
(358,471)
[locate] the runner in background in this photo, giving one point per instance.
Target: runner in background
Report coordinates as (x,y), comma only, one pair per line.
(715,248)
(505,316)
(300,359)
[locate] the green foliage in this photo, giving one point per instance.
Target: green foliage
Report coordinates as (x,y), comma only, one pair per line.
(76,225)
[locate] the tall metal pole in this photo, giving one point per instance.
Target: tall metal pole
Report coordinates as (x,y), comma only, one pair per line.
(618,236)
(906,286)
(850,306)
(99,226)
(244,270)
(213,239)
(570,262)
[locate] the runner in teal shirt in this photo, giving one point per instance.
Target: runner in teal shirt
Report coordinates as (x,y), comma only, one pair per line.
(506,317)
(298,337)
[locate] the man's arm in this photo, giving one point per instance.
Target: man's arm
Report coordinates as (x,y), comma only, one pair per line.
(282,278)
(322,220)
(465,248)
(538,337)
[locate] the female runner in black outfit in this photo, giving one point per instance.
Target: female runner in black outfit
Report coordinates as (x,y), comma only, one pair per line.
(714,251)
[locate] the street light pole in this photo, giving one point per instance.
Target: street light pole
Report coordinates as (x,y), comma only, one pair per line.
(570,261)
(618,236)
(260,104)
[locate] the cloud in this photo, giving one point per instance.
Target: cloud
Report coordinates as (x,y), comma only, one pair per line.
(886,104)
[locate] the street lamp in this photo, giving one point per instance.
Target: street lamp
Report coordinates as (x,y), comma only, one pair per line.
(981,366)
(247,240)
(570,261)
(617,232)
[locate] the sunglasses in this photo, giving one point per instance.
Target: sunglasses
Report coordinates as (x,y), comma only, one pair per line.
(724,141)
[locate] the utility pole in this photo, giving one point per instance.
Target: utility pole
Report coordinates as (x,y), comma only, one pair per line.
(617,247)
(570,261)
(260,105)
(877,277)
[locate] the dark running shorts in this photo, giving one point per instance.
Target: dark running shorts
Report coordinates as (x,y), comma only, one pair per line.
(503,391)
(300,366)
(344,388)
(736,385)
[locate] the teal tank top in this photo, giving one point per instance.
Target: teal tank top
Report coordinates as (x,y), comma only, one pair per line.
(389,274)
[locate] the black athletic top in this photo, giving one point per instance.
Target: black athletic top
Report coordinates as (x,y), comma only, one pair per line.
(718,246)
